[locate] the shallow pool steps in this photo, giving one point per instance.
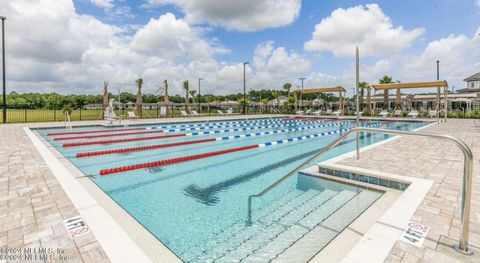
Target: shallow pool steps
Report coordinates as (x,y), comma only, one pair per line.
(283,233)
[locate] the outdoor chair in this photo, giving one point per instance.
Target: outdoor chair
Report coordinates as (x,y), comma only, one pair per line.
(196,114)
(220,112)
(397,113)
(300,112)
(328,112)
(413,114)
(184,113)
(432,114)
(337,113)
(384,113)
(317,113)
(131,115)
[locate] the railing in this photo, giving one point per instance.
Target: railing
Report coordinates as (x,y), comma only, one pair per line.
(462,246)
(68,124)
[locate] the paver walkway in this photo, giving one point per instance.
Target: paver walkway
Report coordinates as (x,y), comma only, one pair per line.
(441,162)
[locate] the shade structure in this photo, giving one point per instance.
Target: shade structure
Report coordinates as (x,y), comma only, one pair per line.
(419,85)
(411,85)
(341,91)
(320,90)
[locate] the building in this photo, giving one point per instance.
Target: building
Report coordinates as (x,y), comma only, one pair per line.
(473,84)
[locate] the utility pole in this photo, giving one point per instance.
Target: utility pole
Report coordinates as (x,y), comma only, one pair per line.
(244,90)
(301,97)
(199,94)
(4,104)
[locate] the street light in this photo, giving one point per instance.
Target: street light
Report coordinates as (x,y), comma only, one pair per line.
(4,105)
(244,90)
(199,94)
(301,97)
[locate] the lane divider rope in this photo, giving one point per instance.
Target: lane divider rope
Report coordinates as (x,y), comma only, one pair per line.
(215,153)
(174,144)
(93,131)
(105,135)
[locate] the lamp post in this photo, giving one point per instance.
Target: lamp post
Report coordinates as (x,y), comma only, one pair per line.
(199,94)
(4,104)
(301,97)
(244,90)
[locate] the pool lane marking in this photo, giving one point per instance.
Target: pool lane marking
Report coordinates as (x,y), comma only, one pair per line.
(165,126)
(226,126)
(72,144)
(105,135)
(93,131)
(174,144)
(216,123)
(215,153)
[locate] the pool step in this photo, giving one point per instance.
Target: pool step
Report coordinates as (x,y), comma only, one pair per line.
(237,227)
(281,234)
(309,245)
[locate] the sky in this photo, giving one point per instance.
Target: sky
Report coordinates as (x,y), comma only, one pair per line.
(73,46)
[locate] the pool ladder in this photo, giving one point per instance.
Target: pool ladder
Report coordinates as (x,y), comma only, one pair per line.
(68,124)
(462,245)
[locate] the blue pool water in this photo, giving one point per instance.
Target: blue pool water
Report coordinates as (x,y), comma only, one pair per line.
(198,209)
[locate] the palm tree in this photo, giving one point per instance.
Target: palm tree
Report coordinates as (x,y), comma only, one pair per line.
(362,86)
(192,93)
(385,80)
(138,103)
(287,86)
(186,88)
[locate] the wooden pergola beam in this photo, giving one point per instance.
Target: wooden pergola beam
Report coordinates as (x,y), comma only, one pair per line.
(320,90)
(411,85)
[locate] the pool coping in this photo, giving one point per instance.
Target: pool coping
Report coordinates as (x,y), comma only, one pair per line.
(99,210)
(377,242)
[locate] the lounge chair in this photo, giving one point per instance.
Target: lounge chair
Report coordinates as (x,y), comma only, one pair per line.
(432,114)
(317,113)
(196,114)
(308,111)
(220,112)
(328,112)
(337,113)
(413,114)
(384,113)
(131,115)
(397,113)
(300,112)
(184,113)
(230,112)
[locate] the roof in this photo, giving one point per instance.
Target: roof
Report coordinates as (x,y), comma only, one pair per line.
(326,89)
(474,77)
(411,85)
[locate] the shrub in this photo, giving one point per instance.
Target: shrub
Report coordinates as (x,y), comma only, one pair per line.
(67,108)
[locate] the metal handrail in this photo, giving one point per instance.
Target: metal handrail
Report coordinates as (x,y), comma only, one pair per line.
(462,246)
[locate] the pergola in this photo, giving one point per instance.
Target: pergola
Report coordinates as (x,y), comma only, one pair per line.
(341,93)
(416,85)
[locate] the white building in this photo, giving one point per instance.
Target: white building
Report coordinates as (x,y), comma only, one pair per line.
(473,82)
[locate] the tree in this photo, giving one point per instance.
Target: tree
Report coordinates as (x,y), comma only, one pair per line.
(287,86)
(138,103)
(192,93)
(186,87)
(362,86)
(385,80)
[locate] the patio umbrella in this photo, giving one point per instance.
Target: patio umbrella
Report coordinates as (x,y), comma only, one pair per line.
(138,103)
(398,100)
(369,100)
(105,94)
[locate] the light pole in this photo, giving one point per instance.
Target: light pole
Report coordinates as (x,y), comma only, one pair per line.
(244,90)
(4,104)
(301,97)
(199,94)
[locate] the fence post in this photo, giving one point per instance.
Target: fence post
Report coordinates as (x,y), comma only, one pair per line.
(25,115)
(54,112)
(81,112)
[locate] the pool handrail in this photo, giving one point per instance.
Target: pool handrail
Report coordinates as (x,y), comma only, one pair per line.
(462,246)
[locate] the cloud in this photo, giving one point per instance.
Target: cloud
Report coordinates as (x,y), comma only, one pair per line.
(364,26)
(103,3)
(244,15)
(478,2)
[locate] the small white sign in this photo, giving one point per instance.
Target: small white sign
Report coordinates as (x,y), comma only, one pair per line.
(414,234)
(76,227)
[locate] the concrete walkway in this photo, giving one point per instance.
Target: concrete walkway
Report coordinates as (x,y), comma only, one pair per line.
(441,162)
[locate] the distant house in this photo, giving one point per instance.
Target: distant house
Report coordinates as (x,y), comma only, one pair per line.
(279,101)
(473,84)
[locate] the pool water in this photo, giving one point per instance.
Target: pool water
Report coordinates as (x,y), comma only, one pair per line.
(198,208)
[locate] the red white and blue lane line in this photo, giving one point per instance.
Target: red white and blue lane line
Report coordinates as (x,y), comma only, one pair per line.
(166,126)
(188,142)
(123,140)
(105,135)
(220,152)
(94,131)
(273,124)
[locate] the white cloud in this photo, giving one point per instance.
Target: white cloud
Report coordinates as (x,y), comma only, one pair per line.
(244,15)
(364,26)
(478,2)
(103,3)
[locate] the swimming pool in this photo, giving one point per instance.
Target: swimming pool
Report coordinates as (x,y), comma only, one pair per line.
(197,206)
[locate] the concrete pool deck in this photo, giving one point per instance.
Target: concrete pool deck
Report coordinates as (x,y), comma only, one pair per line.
(34,204)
